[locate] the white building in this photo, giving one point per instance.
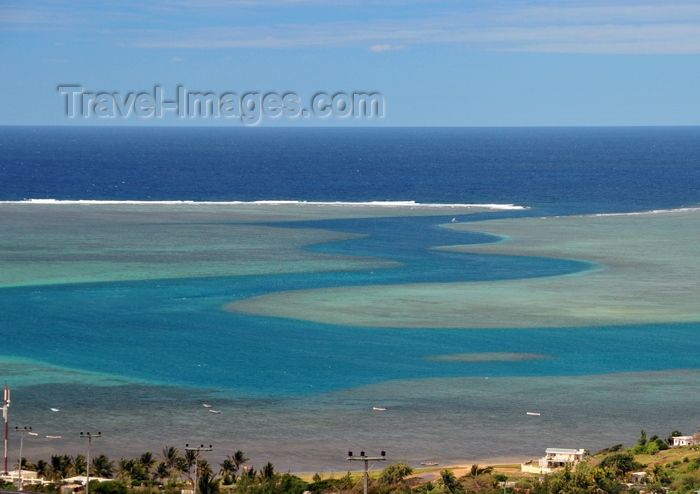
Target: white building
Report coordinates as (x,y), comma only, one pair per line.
(28,477)
(683,441)
(555,458)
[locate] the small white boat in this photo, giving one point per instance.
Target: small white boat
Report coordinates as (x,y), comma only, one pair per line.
(429,463)
(53,437)
(533,413)
(379,409)
(206,405)
(215,411)
(55,409)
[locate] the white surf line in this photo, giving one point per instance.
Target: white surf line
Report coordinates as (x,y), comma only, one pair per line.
(653,211)
(412,204)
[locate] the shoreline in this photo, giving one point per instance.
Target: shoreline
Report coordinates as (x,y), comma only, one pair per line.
(429,473)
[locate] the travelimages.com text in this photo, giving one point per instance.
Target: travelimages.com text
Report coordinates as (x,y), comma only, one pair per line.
(248,107)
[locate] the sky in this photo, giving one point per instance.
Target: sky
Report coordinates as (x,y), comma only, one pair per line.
(302,62)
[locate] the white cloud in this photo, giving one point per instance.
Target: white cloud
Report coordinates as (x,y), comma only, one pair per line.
(386,47)
(644,27)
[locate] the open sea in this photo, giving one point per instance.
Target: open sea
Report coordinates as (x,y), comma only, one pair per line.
(117,312)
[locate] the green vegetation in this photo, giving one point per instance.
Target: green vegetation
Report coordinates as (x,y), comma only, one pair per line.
(171,474)
(395,473)
(650,466)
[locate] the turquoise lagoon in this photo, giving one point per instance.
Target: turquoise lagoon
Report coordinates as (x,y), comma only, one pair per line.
(128,318)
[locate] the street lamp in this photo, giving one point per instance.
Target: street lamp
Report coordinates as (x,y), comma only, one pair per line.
(22,431)
(89,437)
(366,459)
(199,448)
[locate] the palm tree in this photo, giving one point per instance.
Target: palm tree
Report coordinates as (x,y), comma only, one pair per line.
(207,483)
(42,469)
(190,457)
(128,469)
(478,479)
(102,466)
(268,472)
(60,467)
(248,473)
(181,467)
(450,482)
(228,471)
(123,473)
(170,458)
(170,455)
(238,459)
(203,467)
(79,465)
(147,461)
(476,471)
(27,465)
(161,472)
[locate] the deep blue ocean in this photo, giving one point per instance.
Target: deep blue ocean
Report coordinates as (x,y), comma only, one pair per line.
(564,170)
(128,328)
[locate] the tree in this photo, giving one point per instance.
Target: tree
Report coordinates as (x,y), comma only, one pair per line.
(239,459)
(203,467)
(605,482)
(170,456)
(110,487)
(61,467)
(79,465)
(651,448)
(207,483)
(161,472)
(102,466)
(291,484)
(475,471)
(642,438)
(658,475)
(620,463)
(42,469)
(181,466)
(428,488)
(267,473)
(450,483)
(131,469)
(191,456)
(395,473)
(228,471)
(248,473)
(479,479)
(147,461)
(27,465)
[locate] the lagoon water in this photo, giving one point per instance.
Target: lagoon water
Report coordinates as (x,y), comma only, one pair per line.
(128,316)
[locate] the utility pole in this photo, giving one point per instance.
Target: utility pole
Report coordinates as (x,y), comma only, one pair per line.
(22,431)
(366,460)
(5,413)
(199,448)
(89,438)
